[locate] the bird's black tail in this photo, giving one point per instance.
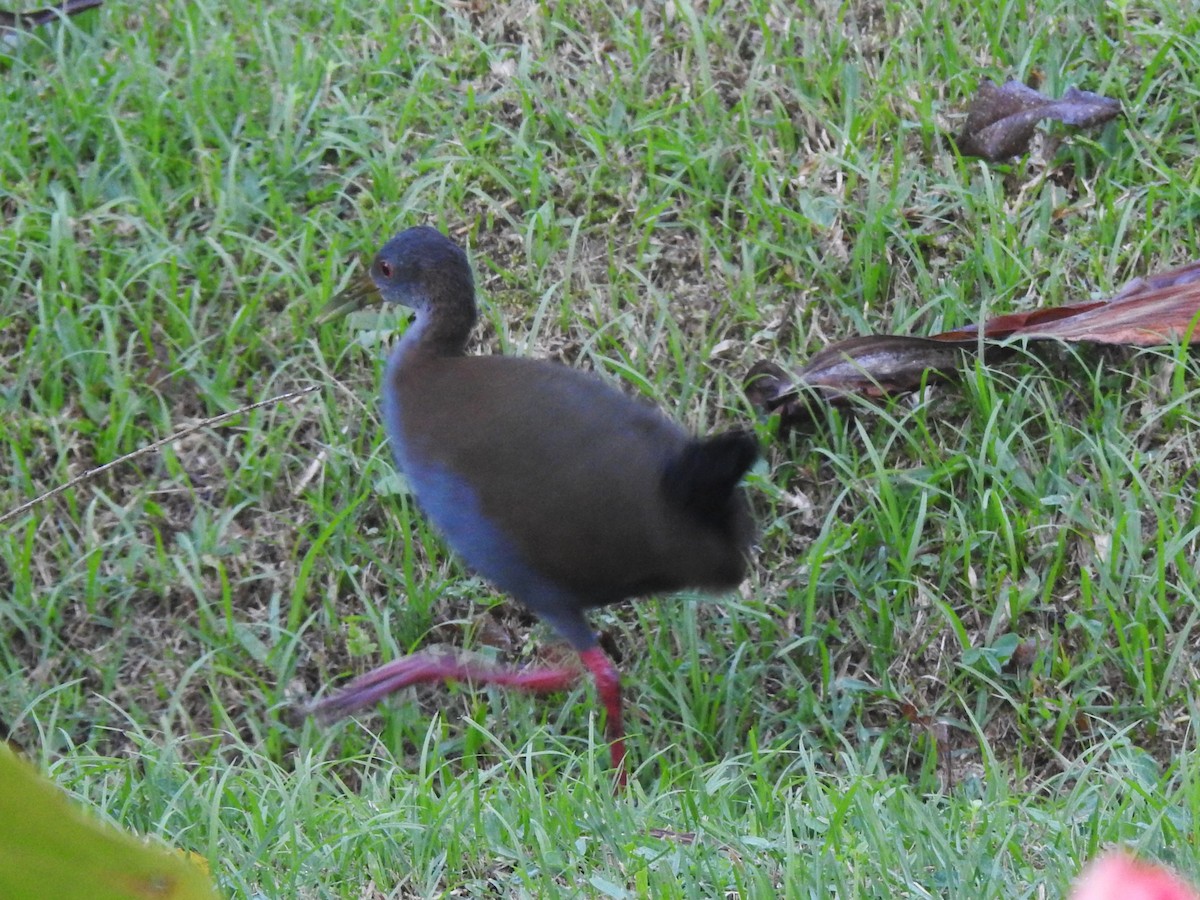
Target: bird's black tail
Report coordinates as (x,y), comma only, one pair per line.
(702,478)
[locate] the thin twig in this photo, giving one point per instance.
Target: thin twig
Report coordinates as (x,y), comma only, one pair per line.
(150,448)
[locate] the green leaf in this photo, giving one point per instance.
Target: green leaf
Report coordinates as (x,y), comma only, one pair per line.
(51,847)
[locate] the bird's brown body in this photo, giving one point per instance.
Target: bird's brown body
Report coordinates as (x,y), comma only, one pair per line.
(585,521)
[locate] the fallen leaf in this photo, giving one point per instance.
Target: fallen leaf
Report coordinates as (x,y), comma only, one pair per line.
(880,365)
(1147,312)
(873,366)
(1001,120)
(1151,311)
(15,26)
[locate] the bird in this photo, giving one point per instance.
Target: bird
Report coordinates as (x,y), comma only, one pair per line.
(15,26)
(551,483)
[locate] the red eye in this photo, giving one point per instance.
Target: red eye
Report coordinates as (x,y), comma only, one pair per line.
(385,268)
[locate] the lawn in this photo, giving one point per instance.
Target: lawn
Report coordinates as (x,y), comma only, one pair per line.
(967,657)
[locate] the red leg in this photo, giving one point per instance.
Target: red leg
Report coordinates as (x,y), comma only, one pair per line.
(420,668)
(608,686)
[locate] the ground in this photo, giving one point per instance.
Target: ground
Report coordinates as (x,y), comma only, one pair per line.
(966,658)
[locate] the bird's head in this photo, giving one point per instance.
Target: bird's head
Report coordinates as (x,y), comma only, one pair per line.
(417,268)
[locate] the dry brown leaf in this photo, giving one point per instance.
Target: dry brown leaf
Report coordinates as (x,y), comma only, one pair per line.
(1002,119)
(1151,311)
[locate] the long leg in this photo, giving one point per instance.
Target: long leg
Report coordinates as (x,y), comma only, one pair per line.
(423,668)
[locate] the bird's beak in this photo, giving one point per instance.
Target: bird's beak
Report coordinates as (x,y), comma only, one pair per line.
(359,293)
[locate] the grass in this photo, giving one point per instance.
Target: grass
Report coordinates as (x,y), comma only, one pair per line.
(966,660)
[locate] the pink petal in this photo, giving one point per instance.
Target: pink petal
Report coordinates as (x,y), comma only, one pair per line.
(1118,876)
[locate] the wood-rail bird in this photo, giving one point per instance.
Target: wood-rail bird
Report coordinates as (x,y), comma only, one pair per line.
(549,482)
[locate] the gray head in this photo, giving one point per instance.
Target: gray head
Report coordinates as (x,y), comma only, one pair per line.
(419,268)
(421,265)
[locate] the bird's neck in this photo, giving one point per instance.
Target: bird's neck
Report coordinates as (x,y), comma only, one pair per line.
(439,330)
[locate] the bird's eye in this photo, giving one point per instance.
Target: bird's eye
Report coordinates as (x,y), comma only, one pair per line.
(385,268)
